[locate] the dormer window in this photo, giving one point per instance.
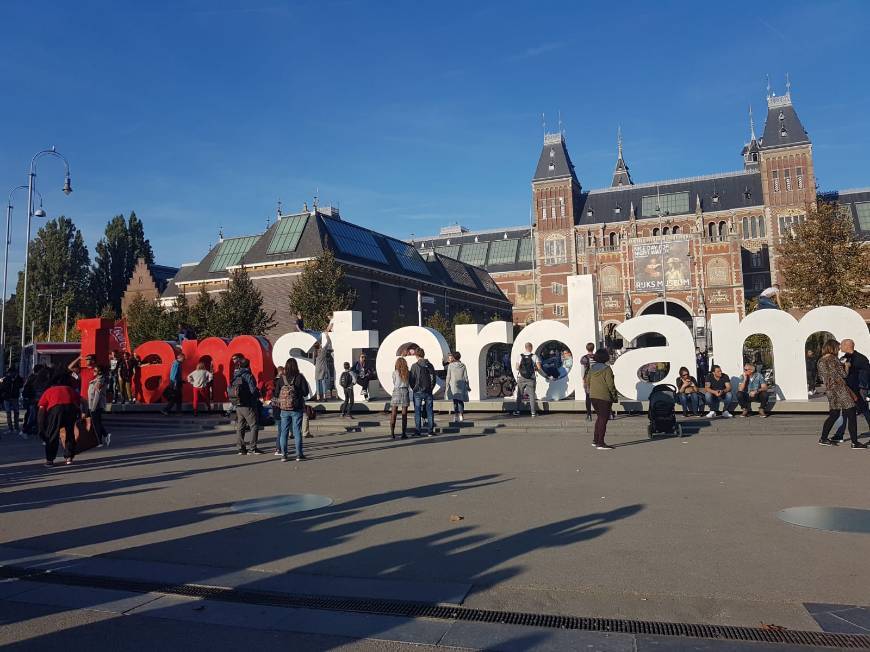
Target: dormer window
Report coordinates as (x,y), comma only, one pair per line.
(505,237)
(552,167)
(783,132)
(448,242)
(715,197)
(781,116)
(476,239)
(552,153)
(747,194)
(617,210)
(589,212)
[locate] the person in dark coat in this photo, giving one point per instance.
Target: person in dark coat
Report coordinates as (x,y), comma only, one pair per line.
(59,408)
(858,380)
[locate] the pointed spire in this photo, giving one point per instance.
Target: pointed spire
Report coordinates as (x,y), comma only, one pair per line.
(621,175)
(221,234)
(751,125)
(768,86)
(787,85)
(619,141)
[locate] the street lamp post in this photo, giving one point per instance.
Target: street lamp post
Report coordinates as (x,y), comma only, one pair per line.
(67,189)
(9,208)
(662,214)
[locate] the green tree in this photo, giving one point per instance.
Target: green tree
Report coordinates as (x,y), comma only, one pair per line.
(447,327)
(147,320)
(240,309)
(823,264)
(203,314)
(321,290)
(123,243)
(59,275)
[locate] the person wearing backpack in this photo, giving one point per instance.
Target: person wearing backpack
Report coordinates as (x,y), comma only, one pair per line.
(421,380)
(291,388)
(246,398)
(346,381)
(527,369)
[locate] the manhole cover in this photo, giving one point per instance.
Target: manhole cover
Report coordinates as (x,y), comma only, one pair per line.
(835,519)
(289,504)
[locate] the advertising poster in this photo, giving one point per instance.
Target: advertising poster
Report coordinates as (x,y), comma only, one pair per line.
(666,261)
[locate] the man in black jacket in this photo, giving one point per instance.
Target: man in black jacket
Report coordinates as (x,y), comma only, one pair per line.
(246,398)
(858,380)
(421,380)
(10,390)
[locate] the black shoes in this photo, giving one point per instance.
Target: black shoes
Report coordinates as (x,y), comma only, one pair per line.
(257,451)
(827,442)
(242,451)
(859,444)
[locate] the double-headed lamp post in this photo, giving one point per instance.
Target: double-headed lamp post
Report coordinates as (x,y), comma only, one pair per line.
(9,208)
(67,189)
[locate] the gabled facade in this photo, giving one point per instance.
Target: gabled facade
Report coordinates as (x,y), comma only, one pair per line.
(148,281)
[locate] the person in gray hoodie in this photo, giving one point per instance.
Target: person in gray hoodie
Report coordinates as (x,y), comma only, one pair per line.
(602,391)
(97,400)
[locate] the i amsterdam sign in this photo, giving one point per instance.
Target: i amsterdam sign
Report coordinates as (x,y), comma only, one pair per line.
(788,336)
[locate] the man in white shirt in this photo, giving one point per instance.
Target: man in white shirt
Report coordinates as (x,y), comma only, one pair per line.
(769,298)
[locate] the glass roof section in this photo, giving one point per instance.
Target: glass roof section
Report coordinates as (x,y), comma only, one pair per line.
(287,234)
(408,257)
(231,251)
(354,241)
(474,253)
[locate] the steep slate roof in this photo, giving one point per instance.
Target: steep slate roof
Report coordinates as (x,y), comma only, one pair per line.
(849,199)
(730,187)
(162,274)
(783,127)
(315,233)
(554,162)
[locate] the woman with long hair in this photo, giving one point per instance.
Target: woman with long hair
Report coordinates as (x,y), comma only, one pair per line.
(401,397)
(291,389)
(457,384)
(687,392)
(841,401)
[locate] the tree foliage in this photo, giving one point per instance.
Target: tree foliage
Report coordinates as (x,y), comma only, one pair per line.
(321,290)
(447,327)
(240,308)
(147,320)
(823,264)
(123,243)
(59,276)
(202,315)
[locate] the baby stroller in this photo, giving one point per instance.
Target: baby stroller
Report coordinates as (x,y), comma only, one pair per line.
(662,412)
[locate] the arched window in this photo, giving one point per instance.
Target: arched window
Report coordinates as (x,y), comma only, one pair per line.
(656,231)
(723,229)
(610,279)
(676,230)
(666,230)
(711,230)
(613,239)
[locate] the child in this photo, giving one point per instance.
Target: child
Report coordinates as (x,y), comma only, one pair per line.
(346,381)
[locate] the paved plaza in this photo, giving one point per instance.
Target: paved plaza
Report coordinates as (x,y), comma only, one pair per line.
(502,514)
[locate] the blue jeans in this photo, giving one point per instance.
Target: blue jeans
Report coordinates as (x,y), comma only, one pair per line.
(323,387)
(714,401)
(458,406)
(691,402)
(290,418)
(422,399)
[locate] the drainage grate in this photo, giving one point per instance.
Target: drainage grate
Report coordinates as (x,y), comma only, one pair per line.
(440,612)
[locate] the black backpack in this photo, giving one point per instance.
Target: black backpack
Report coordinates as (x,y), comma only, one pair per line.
(425,381)
(527,366)
(238,392)
(346,379)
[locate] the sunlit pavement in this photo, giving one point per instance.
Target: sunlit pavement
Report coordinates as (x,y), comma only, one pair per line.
(527,518)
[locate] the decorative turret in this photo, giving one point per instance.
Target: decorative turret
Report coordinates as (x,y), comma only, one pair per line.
(752,148)
(621,176)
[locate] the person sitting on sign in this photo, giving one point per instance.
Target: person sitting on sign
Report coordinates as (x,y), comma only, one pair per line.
(769,298)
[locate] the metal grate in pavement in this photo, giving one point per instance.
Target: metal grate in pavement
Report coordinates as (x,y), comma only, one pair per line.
(423,610)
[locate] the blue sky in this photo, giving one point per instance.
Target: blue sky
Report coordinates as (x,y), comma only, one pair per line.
(410,116)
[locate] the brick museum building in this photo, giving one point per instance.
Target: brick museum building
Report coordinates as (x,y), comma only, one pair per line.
(704,244)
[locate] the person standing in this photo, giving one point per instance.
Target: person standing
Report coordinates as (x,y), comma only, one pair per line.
(200,379)
(457,384)
(858,380)
(752,388)
(717,390)
(247,402)
(346,382)
(97,400)
(841,400)
(321,370)
(585,362)
(702,364)
(58,410)
(602,388)
(292,389)
(811,362)
(363,374)
(400,398)
(125,376)
(421,380)
(10,390)
(688,393)
(527,368)
(173,390)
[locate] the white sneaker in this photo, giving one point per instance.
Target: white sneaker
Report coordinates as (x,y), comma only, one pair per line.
(727,414)
(711,414)
(108,439)
(460,418)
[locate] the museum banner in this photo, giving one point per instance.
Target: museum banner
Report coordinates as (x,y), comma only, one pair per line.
(667,261)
